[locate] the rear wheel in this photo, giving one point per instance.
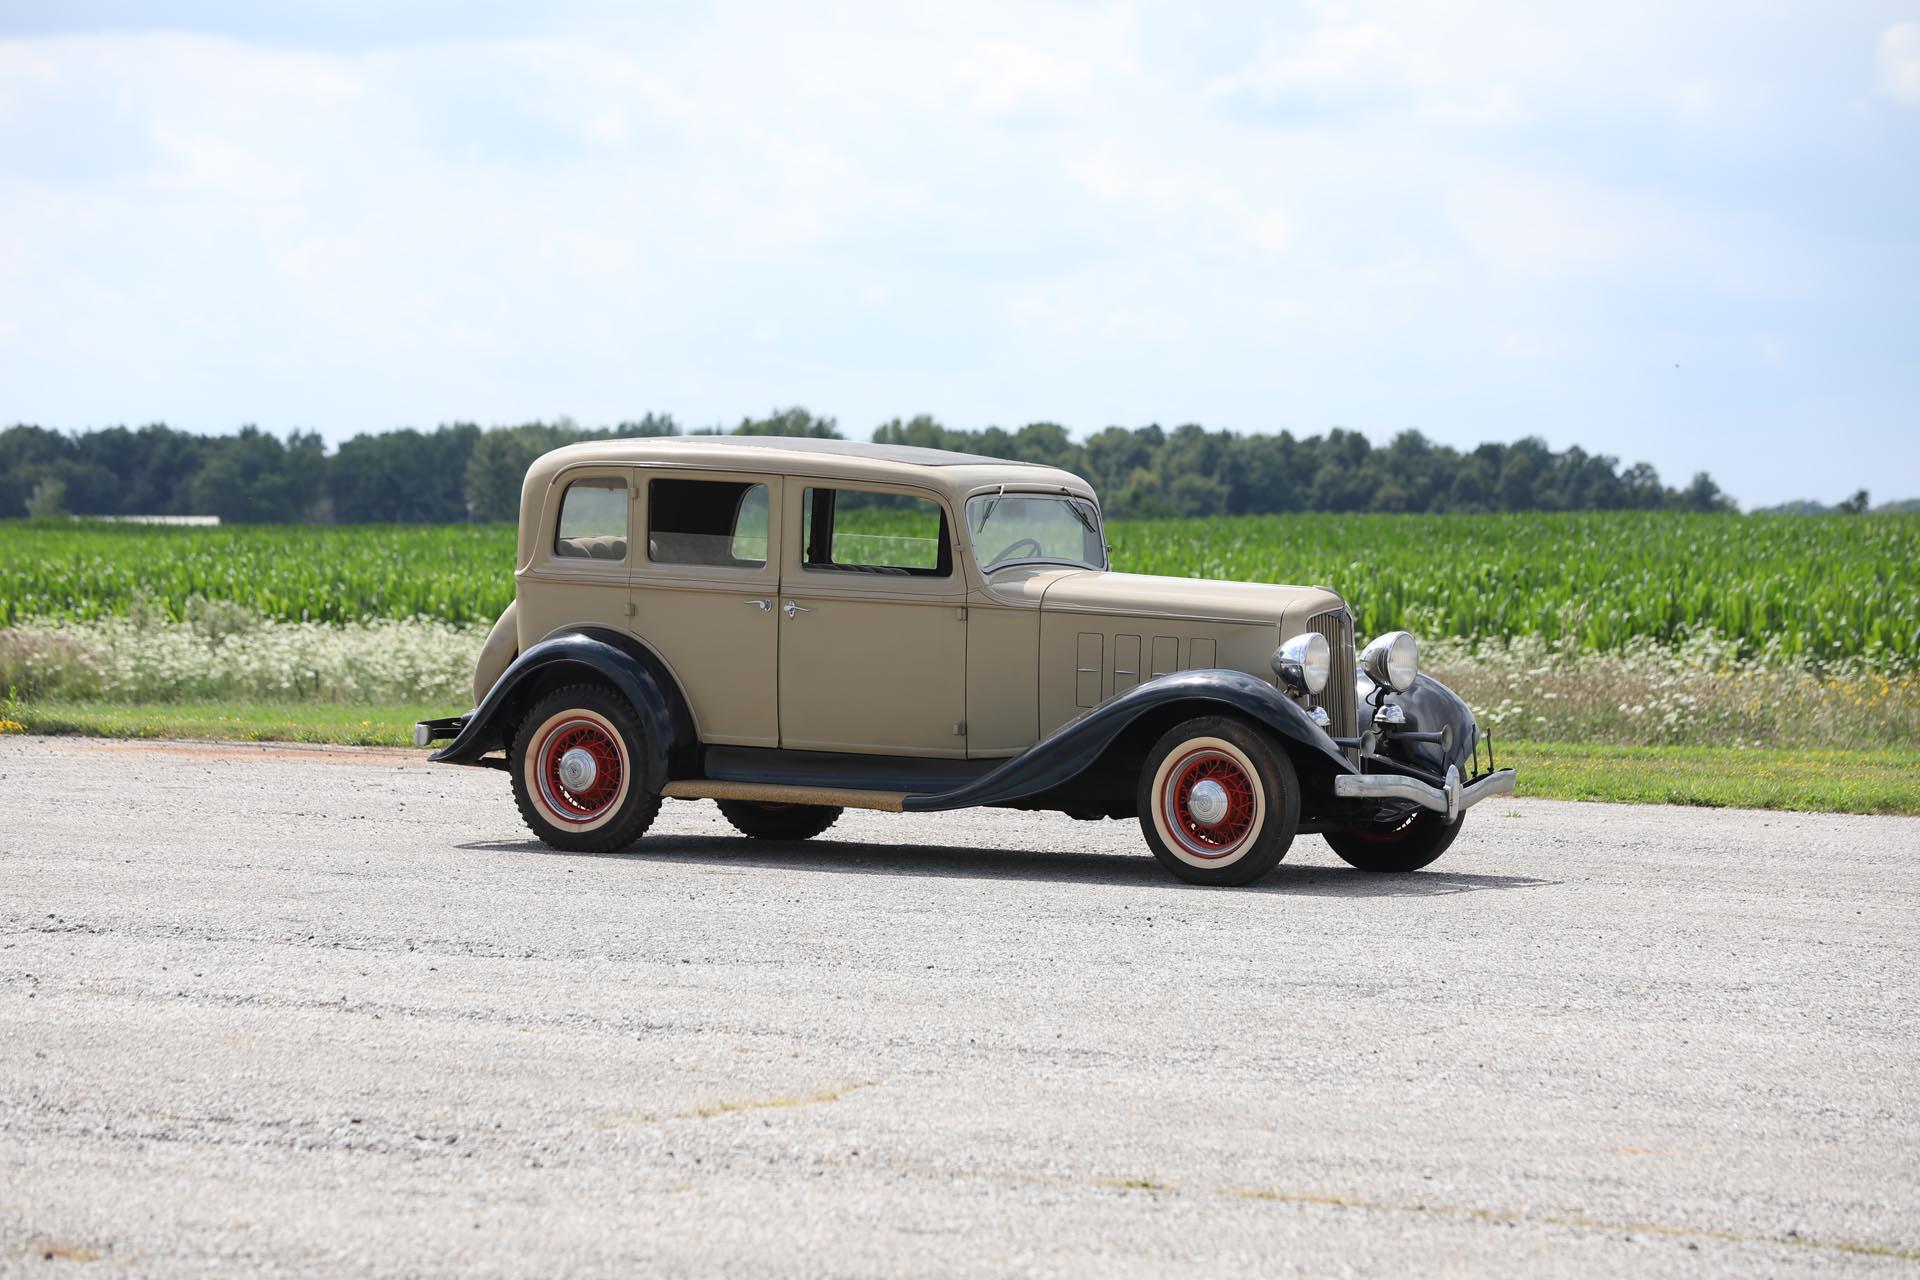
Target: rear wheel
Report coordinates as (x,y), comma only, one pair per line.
(1218,801)
(578,762)
(1408,843)
(766,821)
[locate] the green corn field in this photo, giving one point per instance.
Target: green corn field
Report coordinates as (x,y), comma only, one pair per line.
(1820,587)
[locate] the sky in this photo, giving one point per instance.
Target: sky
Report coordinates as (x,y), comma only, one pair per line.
(1685,234)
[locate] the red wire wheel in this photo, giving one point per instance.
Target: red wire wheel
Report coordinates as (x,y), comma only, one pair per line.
(581,767)
(580,761)
(1218,801)
(1208,802)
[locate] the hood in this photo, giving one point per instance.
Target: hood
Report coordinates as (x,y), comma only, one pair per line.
(1151,596)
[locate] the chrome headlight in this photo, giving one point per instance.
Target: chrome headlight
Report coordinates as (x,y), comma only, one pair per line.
(1392,659)
(1303,663)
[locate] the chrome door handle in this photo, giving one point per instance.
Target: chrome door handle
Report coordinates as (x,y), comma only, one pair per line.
(764,606)
(794,609)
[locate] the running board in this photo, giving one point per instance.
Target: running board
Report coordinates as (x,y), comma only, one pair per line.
(781,793)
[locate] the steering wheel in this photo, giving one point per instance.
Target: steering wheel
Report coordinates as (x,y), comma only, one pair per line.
(1025,546)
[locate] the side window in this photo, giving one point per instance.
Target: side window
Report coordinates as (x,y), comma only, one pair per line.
(862,532)
(719,523)
(593,520)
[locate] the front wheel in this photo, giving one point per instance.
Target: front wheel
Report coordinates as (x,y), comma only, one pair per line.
(578,762)
(1218,801)
(1405,844)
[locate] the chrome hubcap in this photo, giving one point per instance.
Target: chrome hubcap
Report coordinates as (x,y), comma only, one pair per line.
(1208,803)
(578,770)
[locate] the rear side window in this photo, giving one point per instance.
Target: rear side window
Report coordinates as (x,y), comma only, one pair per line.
(717,523)
(593,520)
(886,533)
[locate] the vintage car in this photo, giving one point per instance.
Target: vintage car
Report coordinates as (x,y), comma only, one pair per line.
(793,627)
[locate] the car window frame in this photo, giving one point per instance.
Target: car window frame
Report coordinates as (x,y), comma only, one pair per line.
(647,570)
(547,557)
(644,516)
(1033,491)
(946,560)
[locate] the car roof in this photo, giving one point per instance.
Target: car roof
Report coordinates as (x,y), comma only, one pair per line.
(955,473)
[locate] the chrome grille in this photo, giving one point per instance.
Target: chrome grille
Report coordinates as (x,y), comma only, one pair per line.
(1338,696)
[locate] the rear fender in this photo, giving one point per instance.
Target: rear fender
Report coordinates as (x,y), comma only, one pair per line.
(584,655)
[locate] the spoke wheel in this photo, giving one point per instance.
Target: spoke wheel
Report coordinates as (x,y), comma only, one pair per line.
(578,763)
(1218,801)
(582,769)
(1209,803)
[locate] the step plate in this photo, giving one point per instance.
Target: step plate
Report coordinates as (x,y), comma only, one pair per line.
(782,793)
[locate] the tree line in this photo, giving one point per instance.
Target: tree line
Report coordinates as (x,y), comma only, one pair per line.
(462,472)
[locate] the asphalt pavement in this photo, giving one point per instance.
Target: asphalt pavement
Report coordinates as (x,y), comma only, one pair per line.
(320,1011)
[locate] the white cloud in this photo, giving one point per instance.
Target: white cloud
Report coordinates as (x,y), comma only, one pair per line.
(1005,78)
(1898,56)
(1547,228)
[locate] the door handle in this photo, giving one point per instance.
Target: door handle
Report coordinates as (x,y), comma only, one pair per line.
(794,610)
(764,606)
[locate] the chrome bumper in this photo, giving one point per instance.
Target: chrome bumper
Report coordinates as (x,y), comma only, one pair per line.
(1452,800)
(428,732)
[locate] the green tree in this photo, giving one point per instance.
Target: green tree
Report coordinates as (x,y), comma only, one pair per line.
(403,476)
(789,422)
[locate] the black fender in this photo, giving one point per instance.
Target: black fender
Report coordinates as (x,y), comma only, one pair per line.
(1071,748)
(588,654)
(1431,707)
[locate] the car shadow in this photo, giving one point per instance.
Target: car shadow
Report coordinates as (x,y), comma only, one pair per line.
(835,857)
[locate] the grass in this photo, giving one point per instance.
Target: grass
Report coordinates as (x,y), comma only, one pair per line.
(1885,780)
(1822,781)
(346,724)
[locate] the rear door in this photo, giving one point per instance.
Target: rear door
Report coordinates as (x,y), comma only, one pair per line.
(873,631)
(706,577)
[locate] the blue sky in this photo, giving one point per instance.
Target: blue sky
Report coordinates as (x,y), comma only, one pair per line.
(1688,234)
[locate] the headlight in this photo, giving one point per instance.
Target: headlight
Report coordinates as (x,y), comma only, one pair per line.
(1303,662)
(1392,659)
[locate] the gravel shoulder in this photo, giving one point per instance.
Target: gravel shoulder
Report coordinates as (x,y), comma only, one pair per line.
(330,1010)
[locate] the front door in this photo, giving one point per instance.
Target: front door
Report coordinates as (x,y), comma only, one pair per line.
(706,577)
(873,630)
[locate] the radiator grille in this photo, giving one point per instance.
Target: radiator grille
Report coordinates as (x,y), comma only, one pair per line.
(1338,696)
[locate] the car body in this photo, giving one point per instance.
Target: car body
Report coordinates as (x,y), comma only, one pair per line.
(796,626)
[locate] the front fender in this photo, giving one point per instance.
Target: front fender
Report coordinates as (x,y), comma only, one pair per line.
(588,654)
(1074,746)
(1430,707)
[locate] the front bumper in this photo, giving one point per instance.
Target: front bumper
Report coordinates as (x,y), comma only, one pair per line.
(1453,799)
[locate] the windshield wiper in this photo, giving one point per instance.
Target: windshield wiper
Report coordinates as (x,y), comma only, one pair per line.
(987,513)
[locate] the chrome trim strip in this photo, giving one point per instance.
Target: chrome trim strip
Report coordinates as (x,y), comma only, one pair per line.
(1453,800)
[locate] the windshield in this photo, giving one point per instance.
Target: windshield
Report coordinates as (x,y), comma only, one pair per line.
(1010,528)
